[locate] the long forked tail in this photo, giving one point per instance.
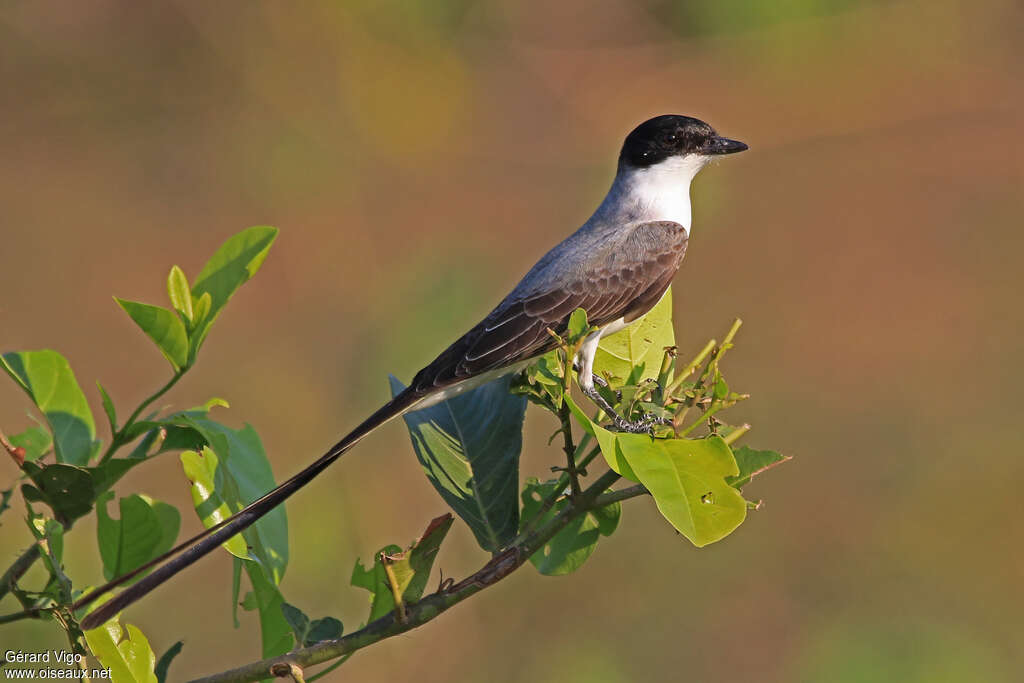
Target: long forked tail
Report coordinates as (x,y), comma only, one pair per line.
(187,553)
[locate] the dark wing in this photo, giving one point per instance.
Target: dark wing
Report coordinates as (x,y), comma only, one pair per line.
(624,279)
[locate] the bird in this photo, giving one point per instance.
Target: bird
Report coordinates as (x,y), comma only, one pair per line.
(616,267)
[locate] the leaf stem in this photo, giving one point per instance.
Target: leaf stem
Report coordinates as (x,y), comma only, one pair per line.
(120,438)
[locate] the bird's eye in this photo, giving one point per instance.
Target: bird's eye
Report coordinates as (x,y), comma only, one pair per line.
(671,138)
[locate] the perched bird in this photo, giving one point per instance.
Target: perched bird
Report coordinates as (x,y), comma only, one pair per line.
(617,267)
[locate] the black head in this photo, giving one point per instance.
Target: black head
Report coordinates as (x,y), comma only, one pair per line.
(672,135)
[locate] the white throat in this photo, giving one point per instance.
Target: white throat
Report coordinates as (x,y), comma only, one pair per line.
(656,193)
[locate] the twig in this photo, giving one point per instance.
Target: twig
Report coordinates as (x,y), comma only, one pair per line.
(119,438)
(570,450)
(18,569)
(431,606)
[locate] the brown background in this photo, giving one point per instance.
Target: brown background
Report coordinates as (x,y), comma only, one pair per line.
(418,157)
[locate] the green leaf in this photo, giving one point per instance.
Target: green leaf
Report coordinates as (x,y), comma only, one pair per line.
(608,441)
(578,325)
(752,462)
(200,468)
(327,628)
(244,476)
(163,327)
(231,266)
(469,448)
(686,478)
(36,441)
(641,343)
(164,663)
(570,548)
(67,489)
(48,380)
(411,569)
(297,620)
(179,293)
(146,529)
(201,309)
(275,633)
(126,653)
(108,408)
(310,632)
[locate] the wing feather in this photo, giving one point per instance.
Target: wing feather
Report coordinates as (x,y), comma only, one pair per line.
(622,278)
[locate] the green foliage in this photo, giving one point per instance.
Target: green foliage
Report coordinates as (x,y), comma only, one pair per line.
(48,380)
(401,573)
(146,529)
(635,353)
(164,663)
(36,441)
(125,652)
(469,447)
(570,548)
(163,327)
(310,632)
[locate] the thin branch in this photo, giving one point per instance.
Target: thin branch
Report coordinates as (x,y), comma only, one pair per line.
(119,439)
(18,569)
(621,494)
(429,607)
(570,449)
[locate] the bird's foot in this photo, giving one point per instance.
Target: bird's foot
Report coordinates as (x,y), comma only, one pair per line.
(642,426)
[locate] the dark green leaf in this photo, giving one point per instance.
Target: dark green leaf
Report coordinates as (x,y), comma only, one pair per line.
(68,490)
(275,633)
(5,499)
(163,327)
(36,441)
(108,408)
(320,630)
(231,266)
(146,529)
(411,569)
(751,463)
(164,663)
(642,343)
(297,620)
(106,475)
(570,548)
(179,293)
(469,447)
(48,380)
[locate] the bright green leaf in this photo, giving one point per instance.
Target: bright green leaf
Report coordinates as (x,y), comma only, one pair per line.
(578,325)
(200,468)
(752,462)
(231,266)
(163,327)
(126,653)
(641,343)
(48,380)
(469,448)
(686,478)
(36,441)
(570,548)
(145,530)
(411,569)
(179,293)
(608,441)
(245,476)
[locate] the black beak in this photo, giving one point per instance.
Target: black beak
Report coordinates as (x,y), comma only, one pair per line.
(720,145)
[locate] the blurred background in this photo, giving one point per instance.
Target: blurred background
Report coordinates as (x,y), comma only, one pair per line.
(870,239)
